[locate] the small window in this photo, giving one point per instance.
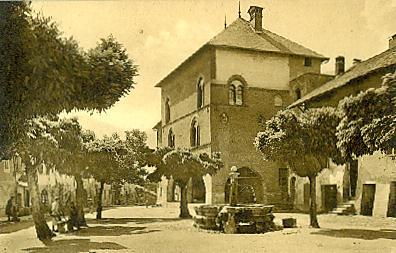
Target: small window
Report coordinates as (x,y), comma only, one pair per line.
(239,95)
(194,134)
(297,93)
(231,95)
(307,62)
(278,101)
(200,93)
(171,139)
(167,111)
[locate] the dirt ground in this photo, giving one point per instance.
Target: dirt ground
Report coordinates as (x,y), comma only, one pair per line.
(140,229)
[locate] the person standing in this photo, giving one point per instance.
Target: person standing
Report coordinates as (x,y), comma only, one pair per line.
(55,213)
(10,208)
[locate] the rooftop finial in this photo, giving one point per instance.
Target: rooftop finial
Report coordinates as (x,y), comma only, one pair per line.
(239,9)
(225,21)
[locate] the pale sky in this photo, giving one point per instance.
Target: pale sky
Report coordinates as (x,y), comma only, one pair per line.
(159,35)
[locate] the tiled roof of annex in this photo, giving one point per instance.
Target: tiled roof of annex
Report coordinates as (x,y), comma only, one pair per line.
(382,60)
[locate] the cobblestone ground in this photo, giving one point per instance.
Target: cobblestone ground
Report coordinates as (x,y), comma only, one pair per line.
(140,229)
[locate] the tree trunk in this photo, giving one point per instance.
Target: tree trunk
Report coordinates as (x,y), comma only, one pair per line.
(184,213)
(100,208)
(80,201)
(312,208)
(42,230)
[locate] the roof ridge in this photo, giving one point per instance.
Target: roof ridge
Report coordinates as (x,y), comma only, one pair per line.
(267,38)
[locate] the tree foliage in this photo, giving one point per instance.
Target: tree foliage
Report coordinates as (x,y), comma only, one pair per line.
(43,73)
(304,141)
(368,120)
(182,165)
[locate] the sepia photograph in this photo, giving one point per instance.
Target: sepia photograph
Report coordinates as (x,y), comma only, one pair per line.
(198,126)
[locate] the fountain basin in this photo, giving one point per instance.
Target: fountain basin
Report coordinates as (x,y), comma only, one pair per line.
(244,218)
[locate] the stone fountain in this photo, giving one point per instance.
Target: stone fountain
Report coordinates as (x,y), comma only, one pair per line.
(235,218)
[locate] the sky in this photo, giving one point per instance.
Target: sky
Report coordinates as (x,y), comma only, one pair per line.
(159,35)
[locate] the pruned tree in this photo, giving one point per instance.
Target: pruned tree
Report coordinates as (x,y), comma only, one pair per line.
(73,158)
(38,147)
(368,120)
(43,74)
(305,142)
(183,165)
(104,163)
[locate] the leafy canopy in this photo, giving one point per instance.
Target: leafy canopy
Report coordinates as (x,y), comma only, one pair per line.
(182,164)
(43,73)
(304,141)
(368,120)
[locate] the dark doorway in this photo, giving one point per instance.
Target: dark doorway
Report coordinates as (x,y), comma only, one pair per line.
(198,191)
(353,176)
(392,200)
(368,196)
(329,197)
(307,195)
(250,187)
(27,198)
(284,183)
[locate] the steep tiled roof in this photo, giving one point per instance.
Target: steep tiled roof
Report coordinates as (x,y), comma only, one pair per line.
(383,60)
(240,34)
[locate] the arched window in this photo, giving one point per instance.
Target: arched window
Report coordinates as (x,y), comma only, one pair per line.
(171,139)
(236,93)
(278,101)
(167,111)
(200,93)
(194,134)
(298,93)
(231,95)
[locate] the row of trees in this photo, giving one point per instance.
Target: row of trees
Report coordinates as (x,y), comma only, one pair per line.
(360,125)
(42,74)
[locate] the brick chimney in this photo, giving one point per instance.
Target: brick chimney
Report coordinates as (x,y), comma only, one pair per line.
(339,65)
(392,41)
(256,18)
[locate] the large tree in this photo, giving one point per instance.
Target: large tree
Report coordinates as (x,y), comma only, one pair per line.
(182,165)
(368,121)
(42,73)
(305,141)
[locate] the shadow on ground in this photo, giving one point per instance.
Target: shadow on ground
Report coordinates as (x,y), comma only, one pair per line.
(10,227)
(75,245)
(134,220)
(364,234)
(113,231)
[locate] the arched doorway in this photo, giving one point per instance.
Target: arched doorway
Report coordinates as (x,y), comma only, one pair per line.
(250,187)
(198,190)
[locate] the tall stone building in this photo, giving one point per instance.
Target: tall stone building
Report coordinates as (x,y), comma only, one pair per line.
(216,99)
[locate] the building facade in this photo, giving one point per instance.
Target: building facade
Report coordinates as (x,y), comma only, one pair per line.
(368,183)
(216,100)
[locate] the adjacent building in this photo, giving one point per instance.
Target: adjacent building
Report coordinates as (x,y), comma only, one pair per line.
(216,99)
(368,183)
